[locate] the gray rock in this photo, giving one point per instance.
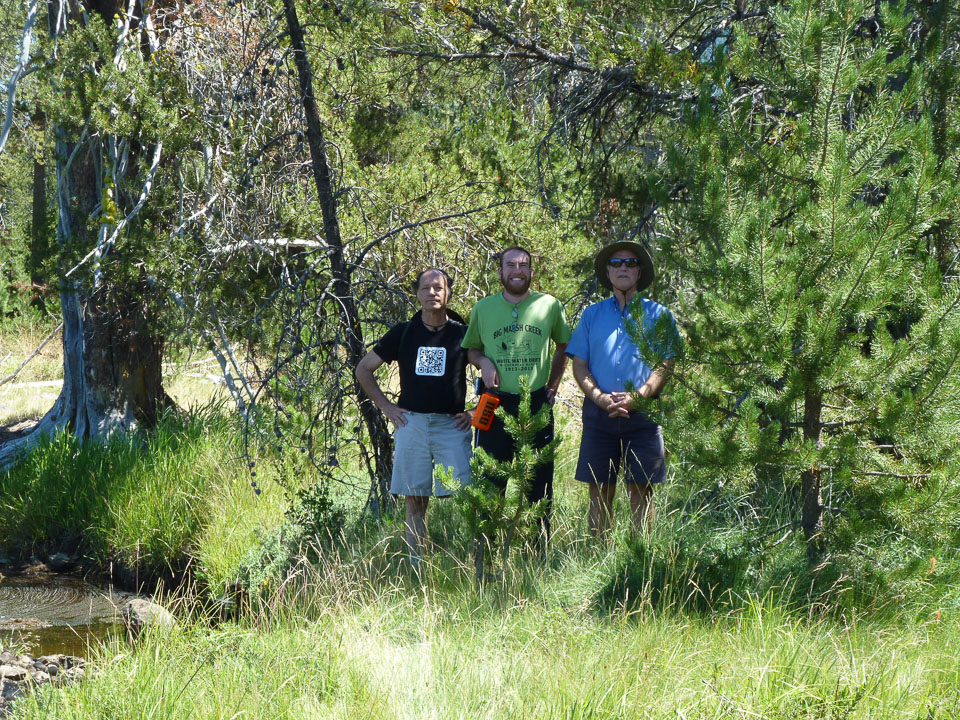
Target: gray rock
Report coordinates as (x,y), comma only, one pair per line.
(14,673)
(13,692)
(63,661)
(139,614)
(60,561)
(19,674)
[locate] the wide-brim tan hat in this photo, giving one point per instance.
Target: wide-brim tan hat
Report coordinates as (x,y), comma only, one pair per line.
(647,275)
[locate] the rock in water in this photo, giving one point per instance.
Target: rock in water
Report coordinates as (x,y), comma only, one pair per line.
(60,562)
(139,614)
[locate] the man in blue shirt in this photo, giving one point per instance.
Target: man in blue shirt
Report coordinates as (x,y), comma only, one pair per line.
(607,365)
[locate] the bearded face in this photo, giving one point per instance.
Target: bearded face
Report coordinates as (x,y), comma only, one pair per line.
(515,272)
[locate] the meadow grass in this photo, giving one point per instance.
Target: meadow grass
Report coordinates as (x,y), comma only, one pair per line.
(148,501)
(190,378)
(341,639)
(35,388)
(697,619)
(610,630)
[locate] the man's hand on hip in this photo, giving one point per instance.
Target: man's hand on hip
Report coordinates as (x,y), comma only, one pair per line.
(395,414)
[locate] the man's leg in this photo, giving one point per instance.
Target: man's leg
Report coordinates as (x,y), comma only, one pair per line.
(601,452)
(600,514)
(646,467)
(642,510)
(413,478)
(416,527)
(541,487)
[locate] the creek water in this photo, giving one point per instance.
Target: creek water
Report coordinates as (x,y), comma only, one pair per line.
(49,613)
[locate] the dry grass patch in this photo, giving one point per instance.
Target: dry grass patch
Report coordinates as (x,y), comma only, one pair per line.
(194,382)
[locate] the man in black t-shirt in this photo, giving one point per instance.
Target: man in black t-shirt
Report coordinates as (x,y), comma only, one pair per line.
(430,426)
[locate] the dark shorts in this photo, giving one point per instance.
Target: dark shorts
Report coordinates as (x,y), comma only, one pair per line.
(608,442)
(499,445)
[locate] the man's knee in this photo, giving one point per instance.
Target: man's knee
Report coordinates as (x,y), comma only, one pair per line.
(602,492)
(416,505)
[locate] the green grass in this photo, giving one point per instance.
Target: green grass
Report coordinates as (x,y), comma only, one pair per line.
(703,618)
(344,641)
(151,502)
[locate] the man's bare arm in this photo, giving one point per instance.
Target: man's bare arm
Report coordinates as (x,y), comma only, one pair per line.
(588,383)
(657,380)
(364,372)
(488,371)
(557,366)
(650,389)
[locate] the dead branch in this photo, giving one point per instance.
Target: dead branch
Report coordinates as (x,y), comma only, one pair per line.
(19,70)
(36,352)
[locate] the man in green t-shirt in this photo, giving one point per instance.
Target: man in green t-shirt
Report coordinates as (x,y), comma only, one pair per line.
(509,338)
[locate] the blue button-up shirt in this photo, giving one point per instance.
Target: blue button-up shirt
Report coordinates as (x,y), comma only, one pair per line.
(602,340)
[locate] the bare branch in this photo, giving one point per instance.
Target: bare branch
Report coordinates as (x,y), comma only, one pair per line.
(458,56)
(19,70)
(265,244)
(419,223)
(36,352)
(221,359)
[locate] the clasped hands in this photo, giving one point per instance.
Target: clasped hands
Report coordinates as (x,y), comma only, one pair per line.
(620,404)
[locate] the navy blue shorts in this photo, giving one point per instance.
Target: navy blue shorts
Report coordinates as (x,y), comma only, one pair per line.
(607,442)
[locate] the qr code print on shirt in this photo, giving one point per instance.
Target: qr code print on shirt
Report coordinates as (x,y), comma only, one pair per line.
(431,361)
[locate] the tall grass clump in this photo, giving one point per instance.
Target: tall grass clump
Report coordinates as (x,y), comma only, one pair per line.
(199,672)
(149,501)
(313,525)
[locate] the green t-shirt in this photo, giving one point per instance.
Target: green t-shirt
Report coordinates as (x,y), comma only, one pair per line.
(518,344)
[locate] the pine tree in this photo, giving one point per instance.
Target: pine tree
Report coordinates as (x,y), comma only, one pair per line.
(822,338)
(492,515)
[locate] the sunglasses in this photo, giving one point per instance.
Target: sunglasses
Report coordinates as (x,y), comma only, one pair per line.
(620,262)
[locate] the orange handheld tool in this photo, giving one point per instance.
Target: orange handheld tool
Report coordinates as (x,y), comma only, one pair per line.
(483,415)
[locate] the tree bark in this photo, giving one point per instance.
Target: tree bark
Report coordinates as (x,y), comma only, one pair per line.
(112,355)
(341,270)
(811,519)
(39,239)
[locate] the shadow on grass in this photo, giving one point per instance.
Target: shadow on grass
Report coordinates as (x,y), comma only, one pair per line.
(692,575)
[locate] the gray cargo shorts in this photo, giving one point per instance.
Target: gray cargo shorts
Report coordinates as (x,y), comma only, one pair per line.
(428,441)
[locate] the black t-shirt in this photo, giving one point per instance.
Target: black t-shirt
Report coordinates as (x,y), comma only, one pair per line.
(432,365)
